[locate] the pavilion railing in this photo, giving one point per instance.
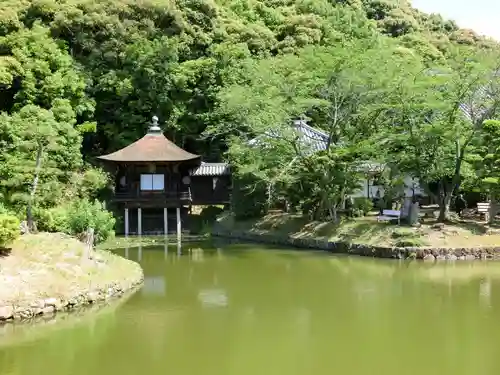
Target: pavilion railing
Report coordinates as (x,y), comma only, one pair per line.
(153,195)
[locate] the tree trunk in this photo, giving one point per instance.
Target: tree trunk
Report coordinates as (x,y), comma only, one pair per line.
(444,207)
(449,189)
(493,209)
(38,166)
(89,243)
(333,213)
(414,213)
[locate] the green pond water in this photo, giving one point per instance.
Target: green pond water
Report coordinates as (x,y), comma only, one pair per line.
(248,310)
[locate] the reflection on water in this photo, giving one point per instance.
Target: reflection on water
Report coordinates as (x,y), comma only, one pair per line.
(154,285)
(213,297)
(485,292)
(42,326)
(243,310)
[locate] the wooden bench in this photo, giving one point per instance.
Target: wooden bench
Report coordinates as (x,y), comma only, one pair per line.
(428,212)
(388,215)
(484,209)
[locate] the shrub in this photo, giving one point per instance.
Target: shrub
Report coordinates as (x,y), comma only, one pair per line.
(53,219)
(84,214)
(203,222)
(210,213)
(9,229)
(363,205)
(88,184)
(76,217)
(4,210)
(246,202)
(409,242)
(403,233)
(407,238)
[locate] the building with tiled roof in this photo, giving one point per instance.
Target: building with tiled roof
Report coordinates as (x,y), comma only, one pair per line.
(154,177)
(310,140)
(154,147)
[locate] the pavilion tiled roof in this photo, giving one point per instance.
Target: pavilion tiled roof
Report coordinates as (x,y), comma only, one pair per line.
(310,140)
(475,109)
(153,147)
(313,139)
(211,169)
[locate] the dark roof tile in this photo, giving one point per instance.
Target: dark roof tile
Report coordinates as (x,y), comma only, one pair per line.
(211,169)
(153,147)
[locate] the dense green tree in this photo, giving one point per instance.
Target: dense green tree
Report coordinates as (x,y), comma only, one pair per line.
(434,117)
(173,58)
(485,157)
(324,179)
(44,108)
(80,78)
(39,150)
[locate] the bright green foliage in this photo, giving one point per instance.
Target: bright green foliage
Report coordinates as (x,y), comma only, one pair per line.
(86,184)
(76,217)
(342,90)
(323,181)
(42,98)
(9,229)
(26,132)
(362,205)
(487,157)
(427,135)
(80,78)
(54,219)
(84,214)
(41,72)
(249,198)
(362,99)
(4,210)
(407,238)
(173,58)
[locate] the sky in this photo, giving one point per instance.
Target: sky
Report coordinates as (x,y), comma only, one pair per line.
(482,16)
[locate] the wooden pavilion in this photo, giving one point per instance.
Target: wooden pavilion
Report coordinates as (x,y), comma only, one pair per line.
(153,177)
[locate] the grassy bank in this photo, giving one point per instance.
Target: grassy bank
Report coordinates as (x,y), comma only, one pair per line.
(43,273)
(368,231)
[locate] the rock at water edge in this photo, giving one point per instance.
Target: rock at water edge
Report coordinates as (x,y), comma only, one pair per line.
(429,258)
(6,312)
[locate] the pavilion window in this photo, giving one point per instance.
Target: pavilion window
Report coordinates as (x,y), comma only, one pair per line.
(152,182)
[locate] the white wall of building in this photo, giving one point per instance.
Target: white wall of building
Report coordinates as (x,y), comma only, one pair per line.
(368,190)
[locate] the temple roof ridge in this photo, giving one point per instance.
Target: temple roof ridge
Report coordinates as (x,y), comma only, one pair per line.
(152,147)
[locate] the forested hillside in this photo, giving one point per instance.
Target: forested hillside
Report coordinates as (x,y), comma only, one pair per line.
(80,78)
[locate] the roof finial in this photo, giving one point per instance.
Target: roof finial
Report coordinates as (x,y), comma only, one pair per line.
(154,128)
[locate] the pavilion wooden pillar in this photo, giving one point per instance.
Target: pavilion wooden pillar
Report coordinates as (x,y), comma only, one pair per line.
(179,224)
(126,223)
(165,221)
(139,221)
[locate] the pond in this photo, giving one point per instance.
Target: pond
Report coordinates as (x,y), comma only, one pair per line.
(248,310)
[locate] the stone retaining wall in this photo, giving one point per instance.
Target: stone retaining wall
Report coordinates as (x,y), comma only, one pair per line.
(50,306)
(424,253)
(84,296)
